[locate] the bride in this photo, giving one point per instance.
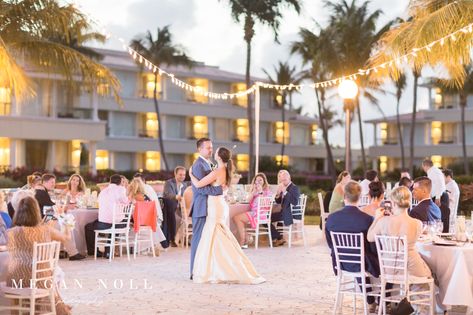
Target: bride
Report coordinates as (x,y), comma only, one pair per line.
(219,258)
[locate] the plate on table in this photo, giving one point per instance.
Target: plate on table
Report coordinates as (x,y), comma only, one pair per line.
(92,208)
(443,242)
(3,248)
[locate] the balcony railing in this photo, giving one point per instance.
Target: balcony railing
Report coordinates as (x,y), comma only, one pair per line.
(241,139)
(390,141)
(447,140)
(195,136)
(143,133)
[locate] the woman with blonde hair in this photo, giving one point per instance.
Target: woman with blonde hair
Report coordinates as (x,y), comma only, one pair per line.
(75,189)
(259,188)
(401,224)
(136,190)
(336,201)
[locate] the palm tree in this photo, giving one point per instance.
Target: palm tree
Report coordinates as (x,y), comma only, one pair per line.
(316,51)
(400,84)
(354,36)
(27,32)
(160,51)
(267,12)
(449,87)
(416,74)
(285,75)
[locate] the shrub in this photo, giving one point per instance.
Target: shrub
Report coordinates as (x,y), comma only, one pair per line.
(9,183)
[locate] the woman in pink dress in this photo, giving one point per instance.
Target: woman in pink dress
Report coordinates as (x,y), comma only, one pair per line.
(259,188)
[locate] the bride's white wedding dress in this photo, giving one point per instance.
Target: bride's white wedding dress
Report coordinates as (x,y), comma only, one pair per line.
(219,258)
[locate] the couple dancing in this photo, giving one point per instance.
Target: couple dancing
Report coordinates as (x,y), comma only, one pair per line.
(216,256)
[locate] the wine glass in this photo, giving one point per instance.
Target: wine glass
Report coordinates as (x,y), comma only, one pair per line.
(439,226)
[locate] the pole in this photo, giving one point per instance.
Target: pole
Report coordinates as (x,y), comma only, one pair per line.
(257,112)
(347,140)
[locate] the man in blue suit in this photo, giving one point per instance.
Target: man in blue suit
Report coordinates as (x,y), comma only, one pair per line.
(426,210)
(350,219)
(201,168)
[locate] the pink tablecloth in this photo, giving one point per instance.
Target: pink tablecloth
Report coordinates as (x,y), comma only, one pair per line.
(82,216)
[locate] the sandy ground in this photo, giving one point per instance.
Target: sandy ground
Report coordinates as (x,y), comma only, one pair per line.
(299,281)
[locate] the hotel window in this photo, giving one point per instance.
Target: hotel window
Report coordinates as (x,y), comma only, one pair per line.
(151,126)
(202,85)
(101,159)
(281,160)
(75,153)
(436,132)
(5,101)
(103,89)
(384,132)
(4,152)
(438,98)
(152,161)
(281,132)
(242,130)
(200,127)
(314,134)
(383,164)
(437,160)
(242,162)
(242,100)
(148,86)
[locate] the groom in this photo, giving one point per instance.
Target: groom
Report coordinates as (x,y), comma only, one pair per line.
(200,169)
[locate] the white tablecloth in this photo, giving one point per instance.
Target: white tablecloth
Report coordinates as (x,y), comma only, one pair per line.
(452,266)
(83,217)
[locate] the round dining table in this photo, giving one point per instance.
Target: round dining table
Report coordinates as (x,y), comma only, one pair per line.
(451,266)
(82,217)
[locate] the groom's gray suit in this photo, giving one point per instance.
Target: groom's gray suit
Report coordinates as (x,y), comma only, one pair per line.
(200,169)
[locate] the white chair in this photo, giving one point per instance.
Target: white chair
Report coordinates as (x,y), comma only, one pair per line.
(118,234)
(185,228)
(263,220)
(298,224)
(145,234)
(415,202)
(323,214)
(364,200)
(393,259)
(349,249)
(45,260)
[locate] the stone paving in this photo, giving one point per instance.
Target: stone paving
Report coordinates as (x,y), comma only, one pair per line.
(299,281)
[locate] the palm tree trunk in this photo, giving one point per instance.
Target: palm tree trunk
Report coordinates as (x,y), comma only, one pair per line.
(413,122)
(283,118)
(249,114)
(399,132)
(323,125)
(160,126)
(360,127)
(463,101)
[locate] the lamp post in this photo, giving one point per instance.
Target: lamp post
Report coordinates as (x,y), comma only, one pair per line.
(348,91)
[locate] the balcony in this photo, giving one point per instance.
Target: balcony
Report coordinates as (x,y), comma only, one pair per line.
(447,140)
(143,133)
(390,141)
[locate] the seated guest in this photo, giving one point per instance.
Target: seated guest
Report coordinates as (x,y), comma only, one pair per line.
(370,176)
(404,173)
(124,182)
(34,181)
(75,189)
(287,194)
(406,182)
(3,232)
(336,201)
(3,204)
(172,195)
(29,229)
(48,182)
(426,210)
(376,195)
(30,179)
(152,195)
(401,224)
(110,196)
(136,191)
(259,188)
(6,219)
(350,219)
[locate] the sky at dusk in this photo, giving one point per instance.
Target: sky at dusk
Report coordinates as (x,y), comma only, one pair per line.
(209,34)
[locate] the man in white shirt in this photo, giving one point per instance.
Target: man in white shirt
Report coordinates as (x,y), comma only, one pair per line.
(370,176)
(453,194)
(437,178)
(108,198)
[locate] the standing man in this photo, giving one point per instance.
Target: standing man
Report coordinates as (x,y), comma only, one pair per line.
(370,176)
(172,196)
(201,168)
(286,195)
(437,178)
(453,194)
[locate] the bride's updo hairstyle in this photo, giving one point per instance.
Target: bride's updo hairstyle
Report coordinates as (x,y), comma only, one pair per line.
(226,156)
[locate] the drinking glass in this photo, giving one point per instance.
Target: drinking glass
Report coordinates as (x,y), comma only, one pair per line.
(469,230)
(439,226)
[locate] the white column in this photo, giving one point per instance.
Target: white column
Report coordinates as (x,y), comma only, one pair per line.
(257,112)
(95,106)
(13,160)
(92,156)
(54,91)
(15,106)
(51,157)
